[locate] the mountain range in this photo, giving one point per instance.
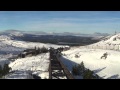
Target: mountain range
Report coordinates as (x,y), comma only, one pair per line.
(21,33)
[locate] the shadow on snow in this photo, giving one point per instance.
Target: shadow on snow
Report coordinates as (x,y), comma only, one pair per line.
(116,76)
(69,64)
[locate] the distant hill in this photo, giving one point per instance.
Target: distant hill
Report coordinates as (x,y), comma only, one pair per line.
(13,32)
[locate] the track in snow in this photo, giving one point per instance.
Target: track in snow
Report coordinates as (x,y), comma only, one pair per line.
(57,70)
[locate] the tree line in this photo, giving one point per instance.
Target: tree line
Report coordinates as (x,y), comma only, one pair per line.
(80,70)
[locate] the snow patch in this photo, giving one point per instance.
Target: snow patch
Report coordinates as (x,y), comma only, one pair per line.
(106,68)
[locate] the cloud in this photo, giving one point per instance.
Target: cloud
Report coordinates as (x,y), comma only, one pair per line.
(69,26)
(69,22)
(92,19)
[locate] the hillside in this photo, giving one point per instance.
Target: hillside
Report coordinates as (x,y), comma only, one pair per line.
(110,42)
(10,47)
(38,65)
(90,54)
(108,68)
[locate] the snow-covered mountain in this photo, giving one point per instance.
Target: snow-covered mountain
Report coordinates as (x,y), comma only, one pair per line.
(4,37)
(39,64)
(23,44)
(108,68)
(12,33)
(111,42)
(101,34)
(19,33)
(10,47)
(114,39)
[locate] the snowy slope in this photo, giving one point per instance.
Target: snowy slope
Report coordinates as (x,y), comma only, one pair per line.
(23,44)
(109,41)
(91,56)
(16,34)
(37,64)
(7,44)
(4,37)
(21,74)
(112,39)
(7,51)
(13,33)
(106,68)
(9,47)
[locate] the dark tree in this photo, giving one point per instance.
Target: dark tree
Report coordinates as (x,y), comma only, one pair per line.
(5,70)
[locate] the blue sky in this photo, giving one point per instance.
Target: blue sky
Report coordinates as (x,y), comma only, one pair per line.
(61,21)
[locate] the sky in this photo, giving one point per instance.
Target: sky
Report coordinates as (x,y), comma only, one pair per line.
(86,22)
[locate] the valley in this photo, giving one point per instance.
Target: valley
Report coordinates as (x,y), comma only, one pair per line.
(81,49)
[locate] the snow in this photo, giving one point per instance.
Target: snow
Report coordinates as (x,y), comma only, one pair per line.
(24,44)
(14,47)
(4,37)
(108,43)
(12,33)
(16,34)
(19,75)
(37,64)
(10,48)
(106,68)
(5,58)
(7,51)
